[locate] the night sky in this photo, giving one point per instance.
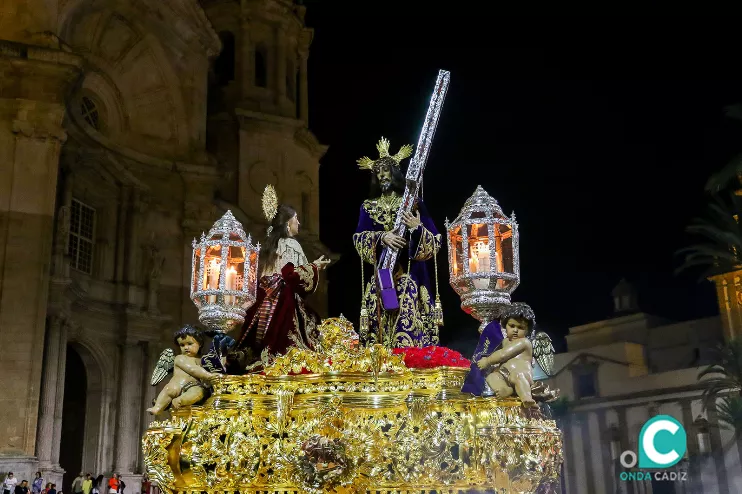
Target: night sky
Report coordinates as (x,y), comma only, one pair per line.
(603,163)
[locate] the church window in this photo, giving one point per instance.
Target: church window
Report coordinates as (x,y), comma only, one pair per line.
(586,386)
(89,112)
(82,226)
(261,66)
(585,379)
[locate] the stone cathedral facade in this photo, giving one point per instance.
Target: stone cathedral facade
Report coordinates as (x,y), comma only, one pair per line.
(126,129)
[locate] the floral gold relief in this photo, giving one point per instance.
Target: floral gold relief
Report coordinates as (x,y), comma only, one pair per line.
(351,419)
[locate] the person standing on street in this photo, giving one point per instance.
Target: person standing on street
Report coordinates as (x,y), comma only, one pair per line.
(9,484)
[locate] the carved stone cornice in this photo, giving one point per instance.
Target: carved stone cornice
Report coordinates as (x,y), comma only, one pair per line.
(265,122)
(97,157)
(37,73)
(37,120)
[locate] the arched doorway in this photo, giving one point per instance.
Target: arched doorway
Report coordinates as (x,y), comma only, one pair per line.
(73,417)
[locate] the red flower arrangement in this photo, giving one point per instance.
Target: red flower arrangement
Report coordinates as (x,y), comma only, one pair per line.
(430,357)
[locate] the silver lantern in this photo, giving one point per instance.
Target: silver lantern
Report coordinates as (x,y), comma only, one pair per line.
(483,261)
(224,275)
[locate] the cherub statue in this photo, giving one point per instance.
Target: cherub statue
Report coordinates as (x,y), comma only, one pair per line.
(185,387)
(511,363)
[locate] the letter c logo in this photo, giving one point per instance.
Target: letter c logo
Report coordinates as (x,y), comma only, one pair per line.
(662,442)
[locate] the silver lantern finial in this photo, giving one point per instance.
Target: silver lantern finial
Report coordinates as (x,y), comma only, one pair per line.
(224,275)
(483,257)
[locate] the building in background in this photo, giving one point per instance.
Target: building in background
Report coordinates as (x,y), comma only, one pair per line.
(618,373)
(126,130)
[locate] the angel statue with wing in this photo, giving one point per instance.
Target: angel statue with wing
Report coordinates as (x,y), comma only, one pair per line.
(503,364)
(186,387)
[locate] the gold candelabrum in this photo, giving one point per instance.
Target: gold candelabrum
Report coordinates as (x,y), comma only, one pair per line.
(224,274)
(483,256)
(350,419)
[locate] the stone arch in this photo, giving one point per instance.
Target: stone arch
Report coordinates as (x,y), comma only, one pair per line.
(96,405)
(131,69)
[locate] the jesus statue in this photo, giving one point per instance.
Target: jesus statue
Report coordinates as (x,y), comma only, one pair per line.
(415,323)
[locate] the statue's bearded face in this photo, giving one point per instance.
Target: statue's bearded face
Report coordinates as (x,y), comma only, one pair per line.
(384,176)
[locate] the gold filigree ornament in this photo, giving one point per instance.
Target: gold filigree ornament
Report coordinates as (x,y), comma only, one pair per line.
(349,419)
(382,147)
(270,203)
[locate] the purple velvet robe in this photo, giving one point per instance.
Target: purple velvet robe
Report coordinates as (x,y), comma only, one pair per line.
(413,325)
(489,340)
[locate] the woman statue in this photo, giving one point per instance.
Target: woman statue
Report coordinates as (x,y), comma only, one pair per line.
(279,319)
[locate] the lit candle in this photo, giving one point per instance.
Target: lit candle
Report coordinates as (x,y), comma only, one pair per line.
(473,261)
(483,255)
(213,278)
(231,284)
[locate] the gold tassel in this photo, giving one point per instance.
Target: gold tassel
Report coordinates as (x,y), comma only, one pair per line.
(363,329)
(364,319)
(438,309)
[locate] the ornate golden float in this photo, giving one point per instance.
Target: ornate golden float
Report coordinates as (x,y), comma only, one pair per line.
(348,419)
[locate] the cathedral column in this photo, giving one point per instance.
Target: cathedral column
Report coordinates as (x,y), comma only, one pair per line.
(122,242)
(129,408)
(34,82)
(303,88)
(59,409)
(280,66)
(48,394)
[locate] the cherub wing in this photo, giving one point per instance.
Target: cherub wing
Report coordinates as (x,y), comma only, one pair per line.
(164,366)
(543,352)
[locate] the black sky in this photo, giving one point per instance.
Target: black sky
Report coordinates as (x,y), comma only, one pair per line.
(601,153)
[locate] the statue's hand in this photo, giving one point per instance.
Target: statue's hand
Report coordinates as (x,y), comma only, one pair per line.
(411,221)
(321,263)
(393,240)
(483,363)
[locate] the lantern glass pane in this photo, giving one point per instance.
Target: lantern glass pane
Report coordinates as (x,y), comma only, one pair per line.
(504,241)
(252,278)
(212,266)
(195,269)
(457,251)
(236,263)
(479,248)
